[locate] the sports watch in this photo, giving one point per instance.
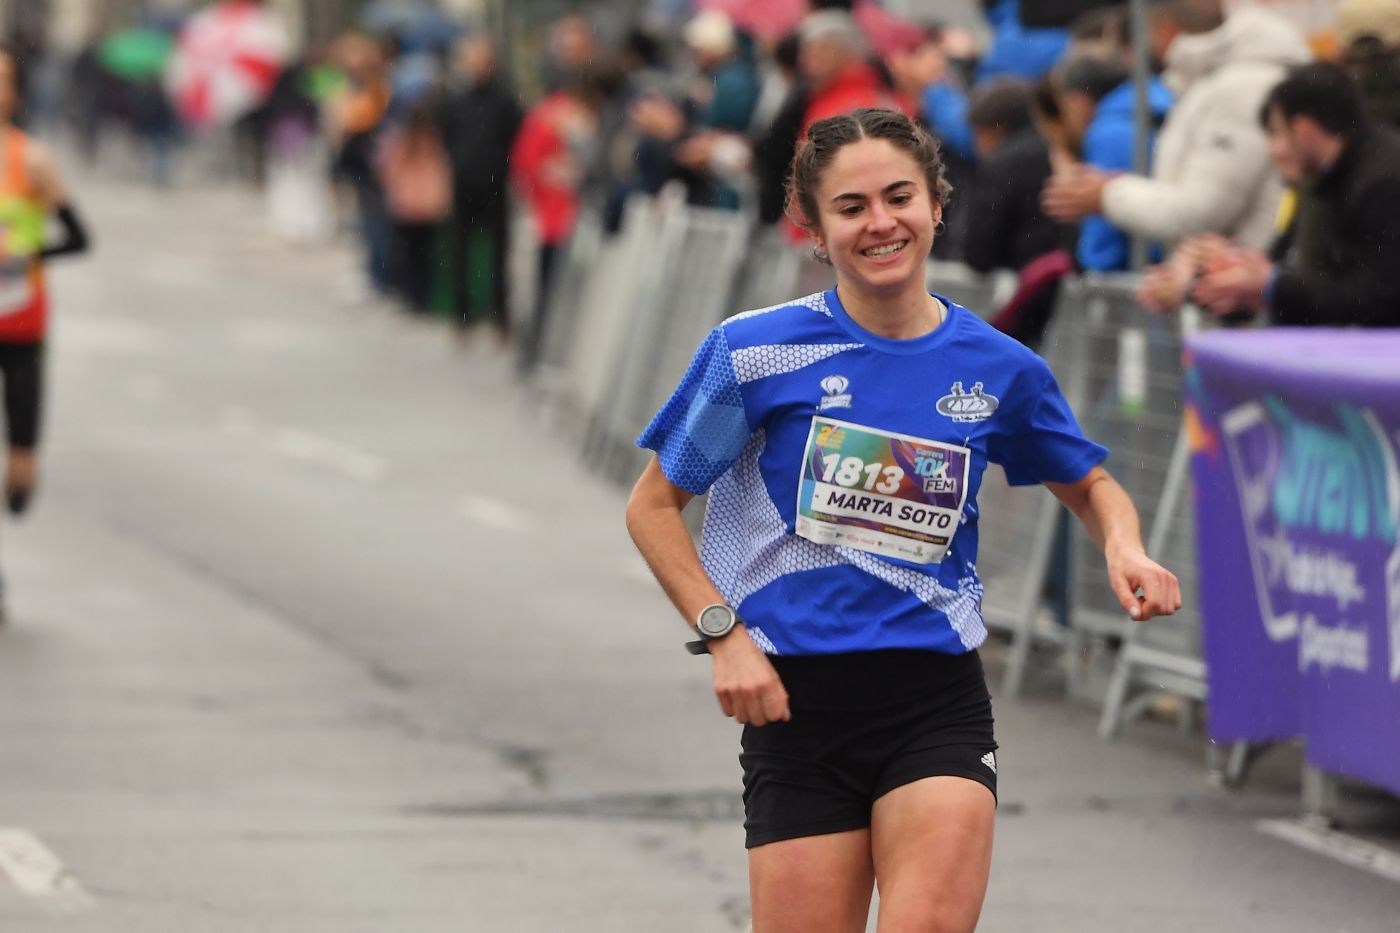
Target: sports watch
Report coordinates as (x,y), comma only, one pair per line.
(713,622)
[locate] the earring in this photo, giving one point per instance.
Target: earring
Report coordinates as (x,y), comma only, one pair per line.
(821,255)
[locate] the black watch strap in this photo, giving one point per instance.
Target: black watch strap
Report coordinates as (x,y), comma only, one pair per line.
(710,628)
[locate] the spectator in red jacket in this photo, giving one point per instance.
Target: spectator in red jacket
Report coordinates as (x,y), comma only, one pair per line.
(833,60)
(839,77)
(547,166)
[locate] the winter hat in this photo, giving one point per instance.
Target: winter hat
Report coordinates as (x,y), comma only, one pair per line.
(710,31)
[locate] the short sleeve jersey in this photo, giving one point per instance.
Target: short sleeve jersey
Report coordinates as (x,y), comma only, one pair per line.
(739,426)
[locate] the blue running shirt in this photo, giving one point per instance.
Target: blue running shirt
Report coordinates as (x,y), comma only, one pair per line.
(886,441)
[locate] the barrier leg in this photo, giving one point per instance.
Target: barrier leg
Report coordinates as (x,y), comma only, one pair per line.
(1241,756)
(1186,716)
(1024,638)
(1117,696)
(1319,798)
(1129,656)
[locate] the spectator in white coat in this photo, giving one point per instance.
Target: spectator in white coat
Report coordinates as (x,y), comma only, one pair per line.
(1211,172)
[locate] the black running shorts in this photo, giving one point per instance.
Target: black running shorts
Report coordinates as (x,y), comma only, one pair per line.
(862,725)
(22,379)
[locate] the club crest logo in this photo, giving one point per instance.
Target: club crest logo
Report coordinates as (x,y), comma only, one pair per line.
(835,395)
(968,406)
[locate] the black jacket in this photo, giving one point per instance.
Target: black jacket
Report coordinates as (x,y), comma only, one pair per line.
(480,125)
(1006,227)
(1344,265)
(773,154)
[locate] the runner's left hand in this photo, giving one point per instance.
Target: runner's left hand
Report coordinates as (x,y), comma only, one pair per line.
(1132,572)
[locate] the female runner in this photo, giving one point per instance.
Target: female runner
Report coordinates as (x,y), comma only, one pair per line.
(842,438)
(31,192)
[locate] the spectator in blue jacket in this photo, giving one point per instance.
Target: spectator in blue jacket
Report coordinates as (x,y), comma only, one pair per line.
(1015,52)
(1097,100)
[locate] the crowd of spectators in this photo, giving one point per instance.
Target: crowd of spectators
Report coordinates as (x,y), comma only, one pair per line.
(1271,190)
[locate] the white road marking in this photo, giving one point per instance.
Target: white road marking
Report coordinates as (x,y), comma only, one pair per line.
(34,869)
(1339,846)
(493,513)
(322,451)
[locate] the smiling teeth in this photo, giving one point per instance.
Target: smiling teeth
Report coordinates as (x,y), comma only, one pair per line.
(880,252)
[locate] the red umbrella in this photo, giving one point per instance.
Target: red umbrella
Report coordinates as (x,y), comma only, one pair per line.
(764,19)
(226,62)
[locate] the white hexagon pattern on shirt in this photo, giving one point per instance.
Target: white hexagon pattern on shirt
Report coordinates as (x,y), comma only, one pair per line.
(816,301)
(746,545)
(751,363)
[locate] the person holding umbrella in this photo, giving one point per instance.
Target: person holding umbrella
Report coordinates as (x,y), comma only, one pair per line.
(132,62)
(31,192)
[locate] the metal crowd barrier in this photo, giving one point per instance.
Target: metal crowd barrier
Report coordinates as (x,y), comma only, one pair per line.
(572,291)
(688,286)
(981,294)
(1126,388)
(626,315)
(773,271)
(629,311)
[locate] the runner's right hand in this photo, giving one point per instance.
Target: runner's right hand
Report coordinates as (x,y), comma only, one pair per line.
(747,686)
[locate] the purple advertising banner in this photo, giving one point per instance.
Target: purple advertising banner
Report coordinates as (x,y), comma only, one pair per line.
(1295,438)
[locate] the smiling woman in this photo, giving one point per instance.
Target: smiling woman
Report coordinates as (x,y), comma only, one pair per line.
(836,586)
(869,188)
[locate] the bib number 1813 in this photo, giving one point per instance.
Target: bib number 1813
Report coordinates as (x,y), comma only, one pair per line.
(849,471)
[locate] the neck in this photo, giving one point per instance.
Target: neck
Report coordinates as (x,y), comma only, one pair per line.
(905,316)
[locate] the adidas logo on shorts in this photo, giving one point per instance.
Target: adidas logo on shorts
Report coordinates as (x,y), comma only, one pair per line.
(990,760)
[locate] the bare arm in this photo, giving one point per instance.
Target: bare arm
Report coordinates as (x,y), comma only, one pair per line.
(1112,521)
(747,686)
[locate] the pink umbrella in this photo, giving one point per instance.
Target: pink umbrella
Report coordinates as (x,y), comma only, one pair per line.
(885,32)
(764,19)
(226,61)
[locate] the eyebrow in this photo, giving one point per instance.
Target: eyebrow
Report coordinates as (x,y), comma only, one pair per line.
(852,196)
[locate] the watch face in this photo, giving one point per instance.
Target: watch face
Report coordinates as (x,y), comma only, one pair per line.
(716,620)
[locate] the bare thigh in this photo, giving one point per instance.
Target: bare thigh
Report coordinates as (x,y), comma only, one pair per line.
(932,846)
(815,884)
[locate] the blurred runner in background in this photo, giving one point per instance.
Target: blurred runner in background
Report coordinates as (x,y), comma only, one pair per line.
(31,192)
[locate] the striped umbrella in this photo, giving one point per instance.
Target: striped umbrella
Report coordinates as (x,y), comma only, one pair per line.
(226,61)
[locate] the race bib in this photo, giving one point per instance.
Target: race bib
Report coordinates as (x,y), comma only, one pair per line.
(889,494)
